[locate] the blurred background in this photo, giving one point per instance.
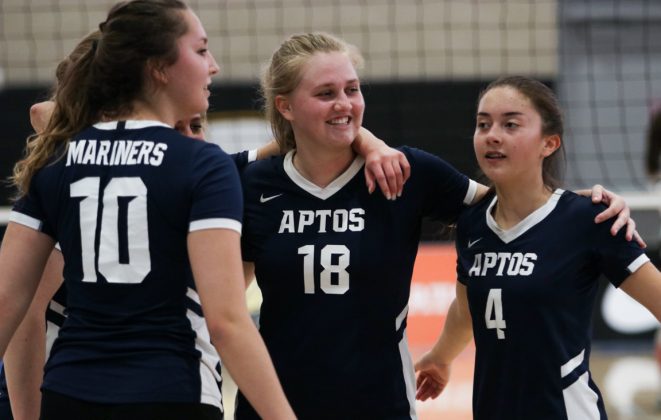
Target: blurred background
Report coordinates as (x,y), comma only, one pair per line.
(426,62)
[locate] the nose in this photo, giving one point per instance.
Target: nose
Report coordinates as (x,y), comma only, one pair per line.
(342,102)
(493,135)
(214,68)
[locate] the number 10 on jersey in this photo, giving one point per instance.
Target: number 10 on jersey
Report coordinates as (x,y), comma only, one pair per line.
(337,269)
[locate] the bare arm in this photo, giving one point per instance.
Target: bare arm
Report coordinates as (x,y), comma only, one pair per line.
(26,353)
(434,367)
(384,165)
(645,287)
(23,256)
(215,257)
(269,149)
(248,272)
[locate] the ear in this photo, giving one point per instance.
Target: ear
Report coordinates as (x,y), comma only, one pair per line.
(284,107)
(157,72)
(551,144)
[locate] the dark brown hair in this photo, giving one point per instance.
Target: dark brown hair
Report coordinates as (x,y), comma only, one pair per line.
(105,74)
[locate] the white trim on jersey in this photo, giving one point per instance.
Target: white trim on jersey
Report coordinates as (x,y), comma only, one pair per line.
(409,374)
(252,155)
(216,223)
(508,235)
(400,318)
(470,193)
(56,307)
(407,362)
(192,295)
(637,263)
(581,400)
(330,189)
(130,124)
(572,364)
(209,377)
(25,220)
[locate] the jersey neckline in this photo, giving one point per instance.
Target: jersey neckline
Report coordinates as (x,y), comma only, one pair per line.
(319,192)
(508,235)
(129,124)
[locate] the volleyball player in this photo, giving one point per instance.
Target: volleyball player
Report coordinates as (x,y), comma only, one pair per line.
(334,263)
(529,260)
(139,211)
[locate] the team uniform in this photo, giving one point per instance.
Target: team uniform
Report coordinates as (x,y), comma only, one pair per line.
(121,202)
(531,290)
(334,266)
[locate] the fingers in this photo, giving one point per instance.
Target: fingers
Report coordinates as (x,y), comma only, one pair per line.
(389,172)
(639,239)
(617,208)
(369,180)
(428,388)
(597,193)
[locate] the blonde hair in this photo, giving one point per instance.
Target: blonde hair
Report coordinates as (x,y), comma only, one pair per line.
(103,76)
(284,72)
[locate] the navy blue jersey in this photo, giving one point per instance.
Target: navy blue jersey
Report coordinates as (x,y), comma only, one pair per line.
(121,202)
(531,290)
(334,266)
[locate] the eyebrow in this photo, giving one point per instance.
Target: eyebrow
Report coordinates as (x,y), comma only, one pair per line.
(507,114)
(333,84)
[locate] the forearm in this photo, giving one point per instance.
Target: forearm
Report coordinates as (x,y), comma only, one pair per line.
(457,333)
(24,367)
(269,149)
(245,356)
(366,142)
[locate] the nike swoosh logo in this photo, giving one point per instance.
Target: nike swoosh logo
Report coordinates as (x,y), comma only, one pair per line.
(263,199)
(470,244)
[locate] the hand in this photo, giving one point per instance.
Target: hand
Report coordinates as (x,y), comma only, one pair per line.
(388,168)
(40,114)
(432,377)
(616,207)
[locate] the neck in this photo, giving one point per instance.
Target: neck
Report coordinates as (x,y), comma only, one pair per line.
(322,168)
(148,111)
(515,204)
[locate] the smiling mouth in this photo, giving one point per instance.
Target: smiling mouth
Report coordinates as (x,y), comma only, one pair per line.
(340,121)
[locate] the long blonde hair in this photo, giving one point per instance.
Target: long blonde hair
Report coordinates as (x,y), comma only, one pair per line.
(103,76)
(284,71)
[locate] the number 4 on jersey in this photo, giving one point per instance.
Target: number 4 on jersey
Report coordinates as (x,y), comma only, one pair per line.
(495,308)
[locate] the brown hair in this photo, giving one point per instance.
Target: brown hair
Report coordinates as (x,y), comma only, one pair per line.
(284,71)
(546,104)
(104,75)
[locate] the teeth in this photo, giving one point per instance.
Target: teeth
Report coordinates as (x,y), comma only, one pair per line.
(343,120)
(495,155)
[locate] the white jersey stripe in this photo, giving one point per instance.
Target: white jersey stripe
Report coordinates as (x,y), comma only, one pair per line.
(215,224)
(470,193)
(572,364)
(409,374)
(581,400)
(209,377)
(56,307)
(637,263)
(25,220)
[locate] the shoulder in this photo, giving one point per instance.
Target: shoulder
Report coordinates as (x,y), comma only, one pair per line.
(578,206)
(262,168)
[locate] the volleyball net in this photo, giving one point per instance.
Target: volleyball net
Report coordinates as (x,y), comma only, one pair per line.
(425,62)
